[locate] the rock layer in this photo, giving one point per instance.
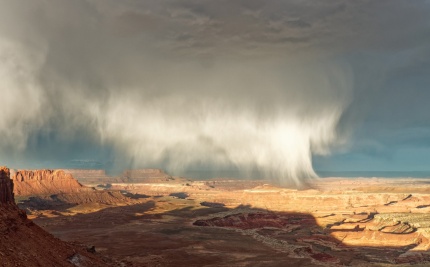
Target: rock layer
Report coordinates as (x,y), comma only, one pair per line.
(44,182)
(23,243)
(6,187)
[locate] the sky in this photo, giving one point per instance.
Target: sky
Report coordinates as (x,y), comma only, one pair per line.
(288,88)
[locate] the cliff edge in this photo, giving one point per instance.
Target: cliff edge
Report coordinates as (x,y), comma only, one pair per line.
(44,182)
(23,243)
(6,187)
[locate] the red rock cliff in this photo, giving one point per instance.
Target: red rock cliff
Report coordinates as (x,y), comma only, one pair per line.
(23,243)
(43,182)
(6,187)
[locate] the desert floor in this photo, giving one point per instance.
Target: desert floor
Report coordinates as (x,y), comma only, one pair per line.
(179,222)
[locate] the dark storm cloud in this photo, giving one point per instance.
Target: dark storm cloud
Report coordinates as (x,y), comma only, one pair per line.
(243,83)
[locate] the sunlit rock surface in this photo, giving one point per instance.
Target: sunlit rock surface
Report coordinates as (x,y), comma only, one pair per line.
(222,222)
(23,243)
(37,182)
(6,187)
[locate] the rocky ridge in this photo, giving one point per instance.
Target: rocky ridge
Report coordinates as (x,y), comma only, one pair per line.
(44,182)
(6,187)
(57,189)
(23,243)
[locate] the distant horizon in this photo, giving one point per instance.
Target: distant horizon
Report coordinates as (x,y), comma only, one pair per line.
(240,174)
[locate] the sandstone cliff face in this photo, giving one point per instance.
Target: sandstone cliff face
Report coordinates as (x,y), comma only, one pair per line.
(44,182)
(23,243)
(6,187)
(50,189)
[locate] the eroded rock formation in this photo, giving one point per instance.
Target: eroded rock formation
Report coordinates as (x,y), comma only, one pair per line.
(23,243)
(6,187)
(44,182)
(350,222)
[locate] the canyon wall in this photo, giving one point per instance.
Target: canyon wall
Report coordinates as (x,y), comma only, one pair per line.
(54,188)
(6,187)
(44,182)
(23,243)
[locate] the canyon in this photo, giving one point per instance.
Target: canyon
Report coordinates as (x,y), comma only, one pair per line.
(24,243)
(149,218)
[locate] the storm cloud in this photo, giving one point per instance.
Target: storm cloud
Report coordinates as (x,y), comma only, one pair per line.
(266,85)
